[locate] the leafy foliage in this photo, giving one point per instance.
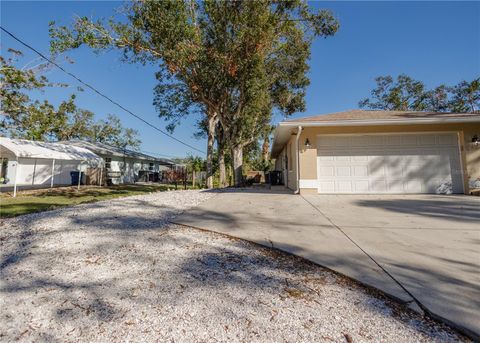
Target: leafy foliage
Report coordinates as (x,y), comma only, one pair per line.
(23,117)
(233,61)
(402,95)
(407,94)
(194,163)
(465,97)
(111,132)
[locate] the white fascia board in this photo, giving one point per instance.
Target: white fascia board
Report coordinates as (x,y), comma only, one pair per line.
(379,122)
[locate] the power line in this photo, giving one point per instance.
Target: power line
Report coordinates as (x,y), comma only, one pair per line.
(97,91)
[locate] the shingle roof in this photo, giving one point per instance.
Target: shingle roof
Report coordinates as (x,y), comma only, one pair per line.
(352,118)
(382,115)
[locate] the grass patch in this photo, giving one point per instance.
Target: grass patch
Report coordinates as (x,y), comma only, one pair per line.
(43,200)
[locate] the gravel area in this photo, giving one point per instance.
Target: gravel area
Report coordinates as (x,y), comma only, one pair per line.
(117,271)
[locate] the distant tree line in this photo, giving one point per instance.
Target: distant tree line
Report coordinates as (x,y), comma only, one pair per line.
(407,94)
(23,117)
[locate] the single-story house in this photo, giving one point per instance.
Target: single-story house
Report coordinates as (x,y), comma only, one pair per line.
(379,152)
(33,163)
(125,165)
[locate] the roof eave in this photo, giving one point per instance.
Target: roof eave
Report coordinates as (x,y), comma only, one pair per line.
(373,122)
(377,122)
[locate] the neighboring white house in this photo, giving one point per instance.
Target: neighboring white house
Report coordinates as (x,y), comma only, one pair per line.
(124,165)
(31,163)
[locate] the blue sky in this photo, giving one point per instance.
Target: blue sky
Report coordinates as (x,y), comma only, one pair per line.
(436,42)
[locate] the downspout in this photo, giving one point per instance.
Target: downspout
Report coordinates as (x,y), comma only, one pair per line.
(16,175)
(297,174)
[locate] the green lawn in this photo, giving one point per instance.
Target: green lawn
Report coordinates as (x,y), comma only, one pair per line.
(44,200)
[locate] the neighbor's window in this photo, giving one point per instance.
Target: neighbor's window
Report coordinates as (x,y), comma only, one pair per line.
(150,166)
(108,163)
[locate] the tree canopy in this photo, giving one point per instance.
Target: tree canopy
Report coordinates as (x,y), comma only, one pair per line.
(23,117)
(407,94)
(232,61)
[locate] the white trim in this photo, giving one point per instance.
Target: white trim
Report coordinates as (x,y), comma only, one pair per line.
(308,183)
(460,155)
(16,175)
(79,178)
(378,122)
(297,159)
(53,173)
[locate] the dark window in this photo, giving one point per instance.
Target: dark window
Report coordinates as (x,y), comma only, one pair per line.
(108,163)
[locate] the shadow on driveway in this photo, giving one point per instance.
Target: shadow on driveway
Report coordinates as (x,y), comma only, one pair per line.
(450,208)
(426,242)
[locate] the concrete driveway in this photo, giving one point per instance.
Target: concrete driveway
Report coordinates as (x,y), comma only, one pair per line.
(421,249)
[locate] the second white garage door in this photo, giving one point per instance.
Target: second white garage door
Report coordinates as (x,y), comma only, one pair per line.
(394,163)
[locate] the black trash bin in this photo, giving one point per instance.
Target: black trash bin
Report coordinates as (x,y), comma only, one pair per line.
(74,176)
(267,177)
(275,177)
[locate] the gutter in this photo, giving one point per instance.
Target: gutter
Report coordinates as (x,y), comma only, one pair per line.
(297,176)
(380,122)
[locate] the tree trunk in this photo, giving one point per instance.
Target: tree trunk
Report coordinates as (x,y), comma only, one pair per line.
(193,178)
(266,148)
(212,121)
(237,154)
(221,167)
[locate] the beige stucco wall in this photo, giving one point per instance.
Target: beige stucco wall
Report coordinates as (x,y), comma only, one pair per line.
(308,156)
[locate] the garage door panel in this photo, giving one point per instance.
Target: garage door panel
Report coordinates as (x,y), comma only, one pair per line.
(327,186)
(447,140)
(395,185)
(344,186)
(326,158)
(360,171)
(328,172)
(342,158)
(406,163)
(393,140)
(360,141)
(360,158)
(361,186)
(378,186)
(409,140)
(427,140)
(343,171)
(414,186)
(376,167)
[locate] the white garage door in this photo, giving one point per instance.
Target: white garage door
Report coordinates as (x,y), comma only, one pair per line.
(406,163)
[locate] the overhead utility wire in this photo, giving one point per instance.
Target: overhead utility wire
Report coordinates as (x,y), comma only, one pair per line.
(97,91)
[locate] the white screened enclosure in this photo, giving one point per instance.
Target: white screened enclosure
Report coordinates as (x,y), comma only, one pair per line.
(36,163)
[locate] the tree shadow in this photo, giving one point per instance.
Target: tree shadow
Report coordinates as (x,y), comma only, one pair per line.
(451,208)
(288,276)
(119,232)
